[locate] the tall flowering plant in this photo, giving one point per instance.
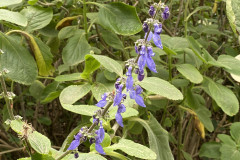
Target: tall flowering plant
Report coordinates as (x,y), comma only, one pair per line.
(143,47)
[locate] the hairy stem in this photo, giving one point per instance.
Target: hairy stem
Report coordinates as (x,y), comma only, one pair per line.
(7,100)
(85,18)
(179,135)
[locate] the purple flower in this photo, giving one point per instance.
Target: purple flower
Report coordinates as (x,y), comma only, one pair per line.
(151,11)
(146,55)
(140,75)
(145,27)
(117,83)
(135,94)
(166,13)
(95,119)
(141,60)
(76,155)
(76,142)
(156,35)
(150,62)
(103,101)
(99,139)
(118,97)
(118,116)
(129,81)
(136,48)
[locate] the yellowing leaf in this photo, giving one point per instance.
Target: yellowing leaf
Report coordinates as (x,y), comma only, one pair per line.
(45,67)
(65,22)
(236,77)
(199,126)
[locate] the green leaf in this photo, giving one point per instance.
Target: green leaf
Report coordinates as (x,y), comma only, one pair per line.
(85,156)
(91,64)
(87,110)
(210,150)
(39,142)
(158,138)
(17,60)
(50,97)
(186,155)
(232,63)
(234,76)
(224,97)
(37,156)
(229,149)
(98,89)
(169,51)
(13,17)
(134,149)
(195,46)
(73,93)
(5,3)
(176,43)
(226,139)
(36,89)
(234,131)
(68,77)
(233,14)
(32,2)
(49,90)
(198,9)
(161,87)
(110,64)
(75,50)
(119,18)
(112,39)
(37,17)
(17,126)
(230,152)
(194,102)
(67,32)
(117,155)
(190,72)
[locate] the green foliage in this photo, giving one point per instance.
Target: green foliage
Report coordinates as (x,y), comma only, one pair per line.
(158,138)
(75,50)
(39,142)
(190,72)
(13,17)
(5,3)
(223,96)
(17,60)
(161,87)
(134,149)
(57,59)
(119,18)
(110,64)
(37,17)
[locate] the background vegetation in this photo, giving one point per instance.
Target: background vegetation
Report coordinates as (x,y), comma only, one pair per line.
(58,57)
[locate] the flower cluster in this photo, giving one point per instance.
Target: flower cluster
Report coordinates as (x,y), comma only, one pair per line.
(143,47)
(82,135)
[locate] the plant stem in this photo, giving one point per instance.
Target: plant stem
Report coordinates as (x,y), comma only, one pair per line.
(85,18)
(179,134)
(7,100)
(170,67)
(185,17)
